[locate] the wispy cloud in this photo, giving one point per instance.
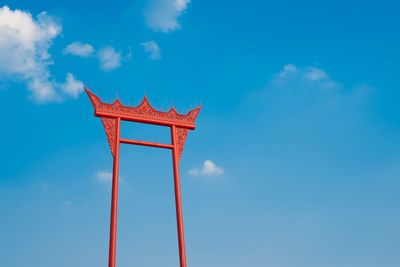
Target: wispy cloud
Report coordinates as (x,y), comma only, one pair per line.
(79,49)
(315,74)
(162,15)
(152,49)
(72,86)
(310,75)
(24,51)
(306,107)
(109,58)
(209,168)
(287,70)
(104,176)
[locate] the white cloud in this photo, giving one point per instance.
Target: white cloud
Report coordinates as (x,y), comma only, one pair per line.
(310,76)
(162,15)
(152,49)
(104,176)
(209,168)
(24,55)
(315,74)
(287,70)
(79,49)
(42,89)
(72,87)
(109,58)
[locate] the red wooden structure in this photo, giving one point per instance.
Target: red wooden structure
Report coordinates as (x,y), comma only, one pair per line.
(179,124)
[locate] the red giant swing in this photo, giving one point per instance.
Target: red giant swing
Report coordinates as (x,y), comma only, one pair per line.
(111,116)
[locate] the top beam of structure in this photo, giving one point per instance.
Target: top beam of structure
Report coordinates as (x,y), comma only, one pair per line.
(143,113)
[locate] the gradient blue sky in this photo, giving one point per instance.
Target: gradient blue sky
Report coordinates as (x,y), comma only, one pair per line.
(300,114)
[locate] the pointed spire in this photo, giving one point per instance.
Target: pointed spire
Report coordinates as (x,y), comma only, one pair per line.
(93,98)
(173,110)
(145,100)
(117,103)
(194,112)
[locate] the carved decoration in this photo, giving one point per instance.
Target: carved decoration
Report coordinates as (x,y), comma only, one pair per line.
(144,111)
(181,134)
(110,127)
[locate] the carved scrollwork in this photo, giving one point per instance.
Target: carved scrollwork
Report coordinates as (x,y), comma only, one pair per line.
(143,111)
(181,134)
(110,125)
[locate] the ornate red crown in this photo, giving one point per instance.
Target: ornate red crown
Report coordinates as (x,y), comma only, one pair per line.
(144,113)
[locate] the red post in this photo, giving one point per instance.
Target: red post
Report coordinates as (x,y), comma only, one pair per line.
(178,202)
(114,199)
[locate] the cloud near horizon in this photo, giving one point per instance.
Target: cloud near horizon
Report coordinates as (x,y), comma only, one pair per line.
(104,176)
(24,53)
(209,168)
(107,176)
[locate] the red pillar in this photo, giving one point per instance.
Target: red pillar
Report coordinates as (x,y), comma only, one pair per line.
(114,199)
(178,202)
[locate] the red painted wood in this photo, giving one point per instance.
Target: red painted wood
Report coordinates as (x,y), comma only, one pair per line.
(143,143)
(114,200)
(178,199)
(111,116)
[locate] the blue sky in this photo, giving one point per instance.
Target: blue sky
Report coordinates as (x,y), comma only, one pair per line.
(295,160)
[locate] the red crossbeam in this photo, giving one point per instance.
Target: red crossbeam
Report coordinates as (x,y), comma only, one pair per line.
(144,143)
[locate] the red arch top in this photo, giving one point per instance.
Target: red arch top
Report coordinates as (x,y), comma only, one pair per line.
(144,112)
